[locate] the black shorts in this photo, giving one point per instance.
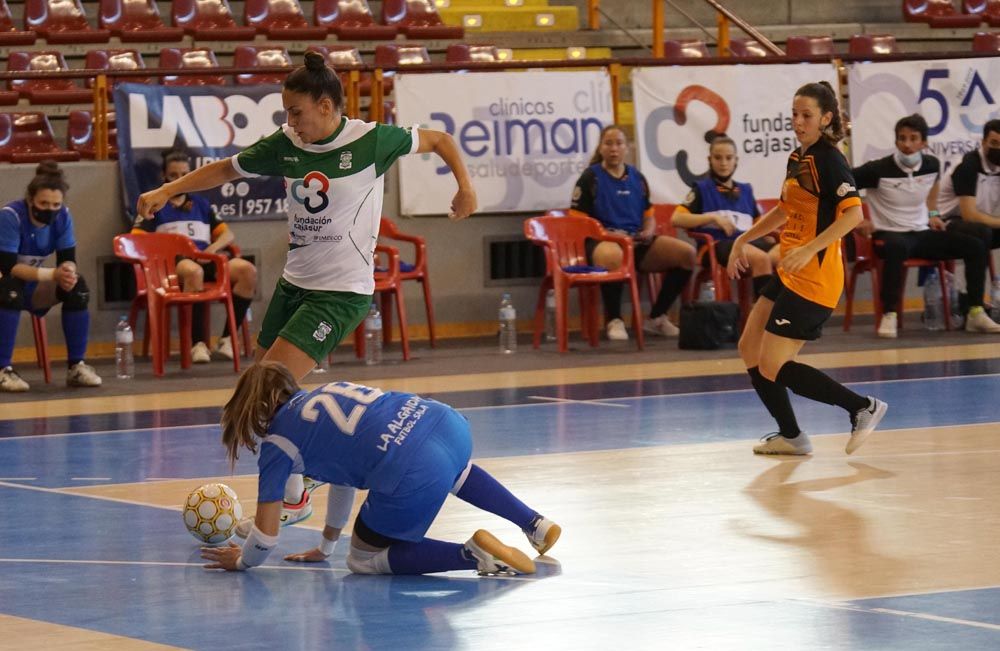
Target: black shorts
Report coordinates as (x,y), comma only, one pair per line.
(724,247)
(639,250)
(792,316)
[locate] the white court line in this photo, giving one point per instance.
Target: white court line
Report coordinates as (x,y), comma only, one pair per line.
(18,478)
(578,402)
(106,498)
(127,430)
(58,561)
(907,613)
(90,478)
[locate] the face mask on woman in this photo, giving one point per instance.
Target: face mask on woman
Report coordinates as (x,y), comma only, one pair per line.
(910,160)
(43,216)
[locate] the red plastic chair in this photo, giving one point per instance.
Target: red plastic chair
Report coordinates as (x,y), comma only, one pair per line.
(986,42)
(809,46)
(685,49)
(80,135)
(866,261)
(136,21)
(872,45)
(61,21)
(116,59)
(563,240)
(937,13)
(9,33)
(747,48)
(27,138)
(252,56)
(210,20)
(45,91)
(388,285)
(41,346)
(351,20)
(157,253)
(418,19)
(987,10)
(417,270)
(281,19)
(401,55)
(463,52)
(176,58)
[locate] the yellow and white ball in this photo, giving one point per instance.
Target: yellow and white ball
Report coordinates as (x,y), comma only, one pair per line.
(211,513)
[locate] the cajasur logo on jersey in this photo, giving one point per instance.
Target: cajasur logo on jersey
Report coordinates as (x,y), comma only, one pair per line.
(312,192)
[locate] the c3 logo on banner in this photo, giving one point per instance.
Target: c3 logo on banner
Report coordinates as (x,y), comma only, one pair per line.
(677,113)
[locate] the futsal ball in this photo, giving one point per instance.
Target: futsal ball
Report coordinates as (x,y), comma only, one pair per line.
(211,513)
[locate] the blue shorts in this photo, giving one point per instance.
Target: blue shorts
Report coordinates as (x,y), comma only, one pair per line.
(407,512)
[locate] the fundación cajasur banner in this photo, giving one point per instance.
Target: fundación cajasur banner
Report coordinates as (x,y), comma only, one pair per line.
(524,136)
(678,108)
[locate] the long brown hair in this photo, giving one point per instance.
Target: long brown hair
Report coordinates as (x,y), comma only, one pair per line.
(597,158)
(260,391)
(826,98)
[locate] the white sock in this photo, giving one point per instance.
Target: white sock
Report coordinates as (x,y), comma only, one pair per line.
(293,488)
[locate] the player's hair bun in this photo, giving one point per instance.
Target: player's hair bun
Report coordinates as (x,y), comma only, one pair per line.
(314,61)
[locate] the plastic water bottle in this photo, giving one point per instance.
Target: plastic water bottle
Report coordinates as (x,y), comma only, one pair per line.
(933,317)
(995,300)
(550,315)
(508,326)
(124,361)
(707,293)
(373,336)
(955,285)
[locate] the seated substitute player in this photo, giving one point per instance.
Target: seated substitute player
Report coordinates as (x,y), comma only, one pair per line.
(408,451)
(970,194)
(902,193)
(31,229)
(723,208)
(193,216)
(617,195)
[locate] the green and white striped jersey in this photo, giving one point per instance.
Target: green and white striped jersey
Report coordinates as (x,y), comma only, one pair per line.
(334,190)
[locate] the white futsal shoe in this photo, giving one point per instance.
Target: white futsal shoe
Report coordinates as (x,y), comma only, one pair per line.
(864,422)
(775,443)
(661,326)
(543,534)
(616,330)
(225,347)
(888,328)
(494,557)
(290,513)
(200,354)
(11,382)
(82,375)
(981,322)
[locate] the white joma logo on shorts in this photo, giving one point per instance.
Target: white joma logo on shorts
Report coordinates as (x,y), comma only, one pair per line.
(781,322)
(322,330)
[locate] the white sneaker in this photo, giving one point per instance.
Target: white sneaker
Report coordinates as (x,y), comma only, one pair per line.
(980,321)
(864,423)
(543,535)
(887,327)
(494,557)
(82,375)
(661,326)
(200,353)
(290,513)
(11,382)
(777,444)
(225,347)
(617,331)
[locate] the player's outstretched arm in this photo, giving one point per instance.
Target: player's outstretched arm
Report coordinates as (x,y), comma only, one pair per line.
(464,202)
(262,539)
(204,178)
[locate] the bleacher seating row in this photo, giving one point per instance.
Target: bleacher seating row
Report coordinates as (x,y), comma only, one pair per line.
(866,45)
(942,13)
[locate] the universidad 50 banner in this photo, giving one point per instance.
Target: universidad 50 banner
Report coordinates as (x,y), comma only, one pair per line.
(524,136)
(677,109)
(211,122)
(956,97)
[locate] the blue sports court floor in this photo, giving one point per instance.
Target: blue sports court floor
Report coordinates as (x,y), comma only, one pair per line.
(674,535)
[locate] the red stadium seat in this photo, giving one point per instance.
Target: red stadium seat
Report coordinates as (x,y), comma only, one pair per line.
(61,21)
(987,10)
(179,58)
(80,135)
(937,13)
(9,33)
(747,48)
(252,56)
(9,97)
(401,55)
(281,19)
(134,21)
(418,19)
(872,45)
(463,52)
(685,49)
(351,20)
(986,42)
(209,20)
(809,46)
(27,138)
(45,91)
(116,60)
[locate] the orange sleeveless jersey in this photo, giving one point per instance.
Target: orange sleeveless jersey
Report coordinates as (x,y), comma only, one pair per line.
(818,188)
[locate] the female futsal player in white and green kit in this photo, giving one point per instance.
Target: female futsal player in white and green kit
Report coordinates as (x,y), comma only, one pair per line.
(333,168)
